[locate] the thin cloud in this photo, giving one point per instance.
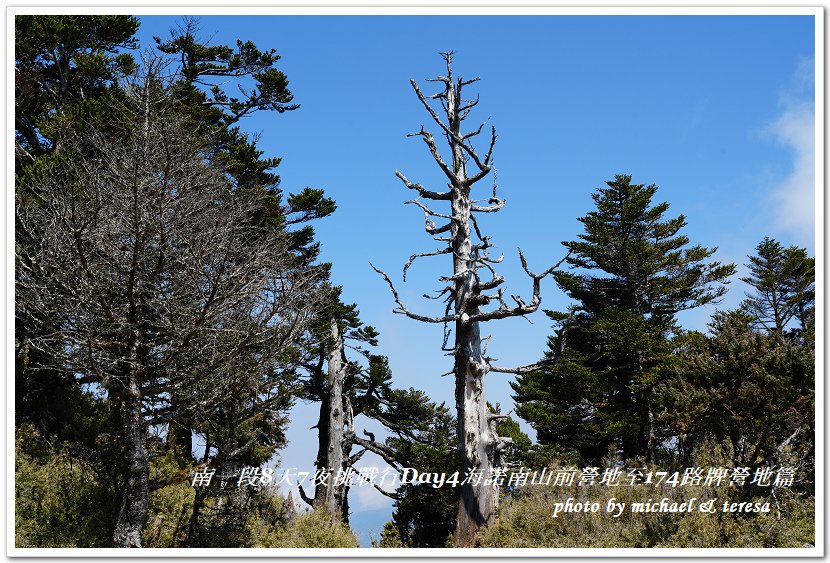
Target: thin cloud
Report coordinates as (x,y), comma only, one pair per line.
(367,498)
(793,197)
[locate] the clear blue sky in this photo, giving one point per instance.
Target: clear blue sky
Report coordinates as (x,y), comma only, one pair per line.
(717,111)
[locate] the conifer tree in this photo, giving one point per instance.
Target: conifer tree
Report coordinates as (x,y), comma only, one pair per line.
(631,272)
(783,280)
(743,397)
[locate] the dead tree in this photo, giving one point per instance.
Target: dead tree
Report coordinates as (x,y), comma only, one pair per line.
(160,281)
(334,415)
(470,290)
(348,388)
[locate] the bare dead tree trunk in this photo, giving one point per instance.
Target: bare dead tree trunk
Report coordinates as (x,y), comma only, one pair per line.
(333,445)
(288,511)
(467,293)
(322,452)
(334,455)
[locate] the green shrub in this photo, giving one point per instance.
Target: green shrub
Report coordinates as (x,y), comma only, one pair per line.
(59,501)
(314,529)
(527,521)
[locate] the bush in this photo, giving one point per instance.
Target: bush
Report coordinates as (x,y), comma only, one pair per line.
(59,501)
(527,521)
(314,529)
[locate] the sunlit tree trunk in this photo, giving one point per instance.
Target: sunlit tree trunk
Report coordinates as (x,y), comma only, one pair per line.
(473,285)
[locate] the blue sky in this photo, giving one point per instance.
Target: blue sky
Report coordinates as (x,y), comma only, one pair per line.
(716,110)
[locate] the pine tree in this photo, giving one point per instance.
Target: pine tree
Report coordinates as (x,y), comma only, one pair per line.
(743,397)
(783,280)
(631,272)
(66,68)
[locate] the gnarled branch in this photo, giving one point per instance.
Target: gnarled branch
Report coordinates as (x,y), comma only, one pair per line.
(402,308)
(421,190)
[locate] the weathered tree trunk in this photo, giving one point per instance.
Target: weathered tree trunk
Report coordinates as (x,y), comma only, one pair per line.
(331,445)
(288,510)
(478,503)
(468,293)
(334,455)
(322,449)
(134,505)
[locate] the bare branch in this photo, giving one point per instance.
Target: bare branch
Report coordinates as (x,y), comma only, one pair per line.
(477,131)
(524,369)
(423,255)
(484,167)
(421,190)
(492,144)
(496,205)
(546,272)
(495,202)
(403,310)
(427,210)
(384,452)
(433,230)
(439,293)
(431,111)
(496,281)
(464,111)
(309,501)
(433,149)
(522,308)
(389,494)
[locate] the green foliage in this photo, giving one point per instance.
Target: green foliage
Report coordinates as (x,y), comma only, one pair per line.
(206,74)
(748,392)
(170,505)
(425,516)
(526,520)
(784,284)
(59,498)
(389,537)
(631,272)
(64,66)
(315,529)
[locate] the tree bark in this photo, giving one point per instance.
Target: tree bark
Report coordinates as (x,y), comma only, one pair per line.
(334,457)
(478,503)
(134,505)
(478,441)
(322,448)
(330,429)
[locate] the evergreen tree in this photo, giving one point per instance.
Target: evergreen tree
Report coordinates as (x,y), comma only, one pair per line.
(743,398)
(66,67)
(74,83)
(425,516)
(631,272)
(202,77)
(783,280)
(66,71)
